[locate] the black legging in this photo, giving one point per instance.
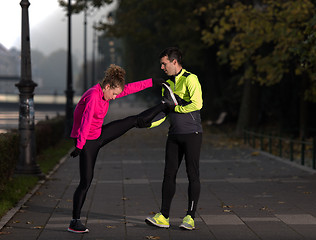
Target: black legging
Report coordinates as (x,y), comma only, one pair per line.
(179,145)
(89,153)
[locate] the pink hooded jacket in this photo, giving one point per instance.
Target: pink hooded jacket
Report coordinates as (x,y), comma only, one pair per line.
(92,108)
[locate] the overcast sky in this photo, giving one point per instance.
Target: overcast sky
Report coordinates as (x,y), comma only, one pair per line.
(48,26)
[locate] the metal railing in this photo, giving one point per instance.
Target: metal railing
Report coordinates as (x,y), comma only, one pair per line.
(301,151)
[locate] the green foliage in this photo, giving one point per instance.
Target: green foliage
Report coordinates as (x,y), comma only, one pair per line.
(9,150)
(269,44)
(14,190)
(16,187)
(268,40)
(52,155)
(148,27)
(49,132)
(50,148)
(79,5)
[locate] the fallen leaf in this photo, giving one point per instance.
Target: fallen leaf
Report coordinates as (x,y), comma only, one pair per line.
(225,206)
(124,198)
(28,222)
(266,209)
(4,233)
(38,227)
(255,153)
(307,192)
(152,237)
(110,227)
(227,210)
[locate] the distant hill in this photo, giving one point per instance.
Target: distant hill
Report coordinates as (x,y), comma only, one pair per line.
(49,72)
(9,62)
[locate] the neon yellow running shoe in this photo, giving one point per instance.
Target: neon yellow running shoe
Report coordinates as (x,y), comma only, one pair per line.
(158,220)
(187,223)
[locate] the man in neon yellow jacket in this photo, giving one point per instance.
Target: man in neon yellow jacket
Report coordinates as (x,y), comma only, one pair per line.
(184,137)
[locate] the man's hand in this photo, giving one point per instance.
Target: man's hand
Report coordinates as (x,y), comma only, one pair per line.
(159,81)
(75,152)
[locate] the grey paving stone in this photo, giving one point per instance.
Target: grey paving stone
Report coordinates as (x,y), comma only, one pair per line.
(243,196)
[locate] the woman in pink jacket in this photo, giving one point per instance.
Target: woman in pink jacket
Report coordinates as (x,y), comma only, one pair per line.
(90,134)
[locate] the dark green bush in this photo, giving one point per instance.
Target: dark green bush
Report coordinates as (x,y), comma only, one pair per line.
(9,153)
(47,133)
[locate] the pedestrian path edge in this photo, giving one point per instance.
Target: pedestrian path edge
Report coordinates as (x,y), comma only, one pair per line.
(7,217)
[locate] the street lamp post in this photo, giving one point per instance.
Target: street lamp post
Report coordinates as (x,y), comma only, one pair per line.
(69,91)
(93,54)
(27,148)
(85,71)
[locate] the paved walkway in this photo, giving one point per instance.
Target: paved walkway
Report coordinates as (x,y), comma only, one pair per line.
(244,196)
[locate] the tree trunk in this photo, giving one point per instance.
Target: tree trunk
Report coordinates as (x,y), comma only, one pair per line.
(303,110)
(248,112)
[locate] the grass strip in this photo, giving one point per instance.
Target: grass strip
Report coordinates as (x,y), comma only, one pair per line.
(18,186)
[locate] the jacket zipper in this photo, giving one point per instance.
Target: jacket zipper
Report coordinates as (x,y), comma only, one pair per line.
(192,116)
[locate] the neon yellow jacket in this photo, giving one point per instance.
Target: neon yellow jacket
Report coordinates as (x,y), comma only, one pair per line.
(186,116)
